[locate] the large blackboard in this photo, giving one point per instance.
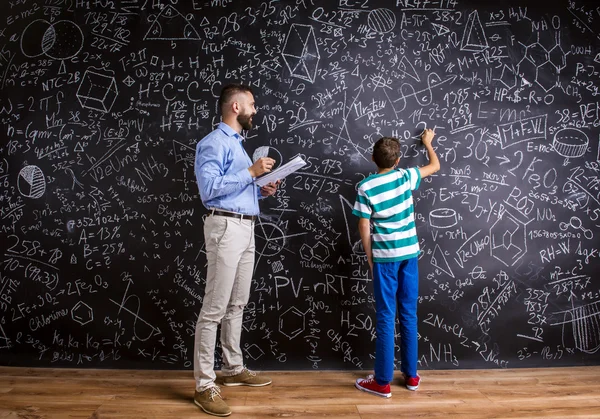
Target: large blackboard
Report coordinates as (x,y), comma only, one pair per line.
(103,101)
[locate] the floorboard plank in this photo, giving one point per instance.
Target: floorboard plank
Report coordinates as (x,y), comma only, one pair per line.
(517,393)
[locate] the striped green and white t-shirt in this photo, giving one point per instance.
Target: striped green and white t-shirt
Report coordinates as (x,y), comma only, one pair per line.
(387,200)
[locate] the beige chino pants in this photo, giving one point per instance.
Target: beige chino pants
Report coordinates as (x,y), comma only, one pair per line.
(229,246)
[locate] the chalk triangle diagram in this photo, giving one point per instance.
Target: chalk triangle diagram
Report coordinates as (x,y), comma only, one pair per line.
(597,59)
(474,38)
(170,25)
(183,152)
(408,68)
(438,259)
(440,29)
(356,245)
(4,341)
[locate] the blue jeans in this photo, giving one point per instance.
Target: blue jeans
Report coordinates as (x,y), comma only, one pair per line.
(396,283)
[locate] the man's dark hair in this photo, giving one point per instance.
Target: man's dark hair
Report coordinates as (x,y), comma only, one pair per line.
(229,91)
(386,151)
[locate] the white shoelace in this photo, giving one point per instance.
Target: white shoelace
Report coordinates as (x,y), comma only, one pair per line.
(214,391)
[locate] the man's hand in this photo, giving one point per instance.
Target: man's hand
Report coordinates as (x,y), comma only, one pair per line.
(269,189)
(260,166)
(427,136)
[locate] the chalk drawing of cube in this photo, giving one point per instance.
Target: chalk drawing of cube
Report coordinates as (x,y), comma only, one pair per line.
(97,91)
(300,52)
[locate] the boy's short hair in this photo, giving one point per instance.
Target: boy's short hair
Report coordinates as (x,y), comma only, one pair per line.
(386,151)
(231,90)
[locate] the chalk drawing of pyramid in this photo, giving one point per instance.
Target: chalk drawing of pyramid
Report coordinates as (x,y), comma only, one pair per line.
(474,38)
(300,52)
(170,25)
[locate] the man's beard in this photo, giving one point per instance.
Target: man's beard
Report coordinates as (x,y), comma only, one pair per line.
(245,121)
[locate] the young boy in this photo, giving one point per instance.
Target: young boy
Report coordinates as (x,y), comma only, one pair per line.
(386,199)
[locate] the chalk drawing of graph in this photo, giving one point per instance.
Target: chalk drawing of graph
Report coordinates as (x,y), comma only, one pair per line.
(300,52)
(581,327)
(170,25)
(146,331)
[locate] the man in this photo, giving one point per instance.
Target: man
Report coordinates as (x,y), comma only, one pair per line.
(225,175)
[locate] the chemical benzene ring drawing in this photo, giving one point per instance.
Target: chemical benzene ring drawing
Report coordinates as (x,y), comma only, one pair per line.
(170,25)
(508,239)
(292,322)
(82,313)
(59,40)
(301,53)
(31,182)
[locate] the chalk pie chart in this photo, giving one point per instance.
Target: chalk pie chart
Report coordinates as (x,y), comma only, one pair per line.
(31,182)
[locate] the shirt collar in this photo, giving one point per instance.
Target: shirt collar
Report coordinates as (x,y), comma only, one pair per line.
(229,131)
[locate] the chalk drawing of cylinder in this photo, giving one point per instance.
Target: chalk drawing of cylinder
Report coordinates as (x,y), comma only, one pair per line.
(585,324)
(570,142)
(443,218)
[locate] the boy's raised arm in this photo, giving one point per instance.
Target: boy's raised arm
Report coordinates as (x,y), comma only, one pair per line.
(434,163)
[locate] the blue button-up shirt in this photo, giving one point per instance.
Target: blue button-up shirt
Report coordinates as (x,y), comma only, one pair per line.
(222,173)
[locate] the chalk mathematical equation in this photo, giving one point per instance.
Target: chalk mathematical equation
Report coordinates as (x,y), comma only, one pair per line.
(102,104)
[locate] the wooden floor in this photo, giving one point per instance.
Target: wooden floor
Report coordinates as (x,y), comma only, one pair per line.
(517,393)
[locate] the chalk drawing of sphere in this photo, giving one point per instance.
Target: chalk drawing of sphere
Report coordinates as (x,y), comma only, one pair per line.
(31,183)
(570,142)
(381,20)
(60,40)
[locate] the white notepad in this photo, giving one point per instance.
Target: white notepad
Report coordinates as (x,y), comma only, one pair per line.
(282,171)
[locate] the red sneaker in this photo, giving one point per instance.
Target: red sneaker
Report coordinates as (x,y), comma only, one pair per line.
(412,383)
(370,386)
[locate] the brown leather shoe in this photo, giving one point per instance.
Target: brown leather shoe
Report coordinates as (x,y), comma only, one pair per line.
(211,402)
(247,378)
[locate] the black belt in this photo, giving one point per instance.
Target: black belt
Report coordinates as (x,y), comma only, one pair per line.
(234,215)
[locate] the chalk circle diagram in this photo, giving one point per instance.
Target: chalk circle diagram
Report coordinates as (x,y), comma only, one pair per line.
(381,20)
(443,218)
(31,182)
(271,238)
(570,142)
(59,40)
(266,151)
(170,25)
